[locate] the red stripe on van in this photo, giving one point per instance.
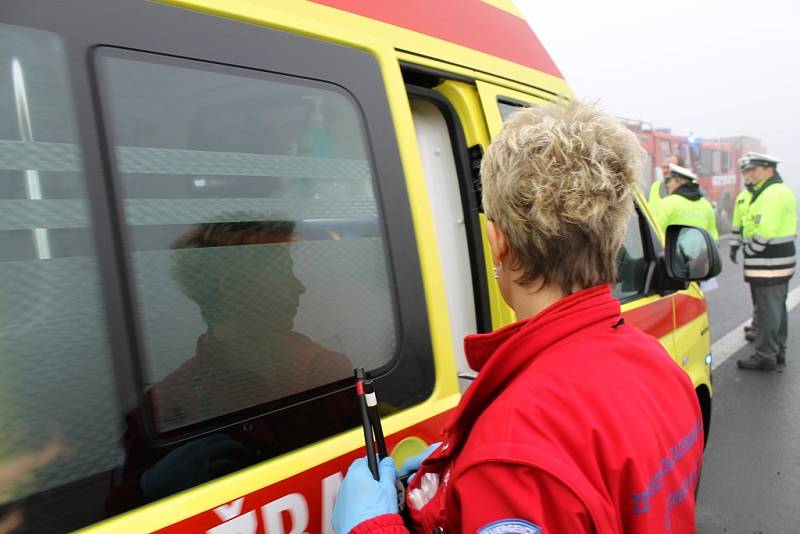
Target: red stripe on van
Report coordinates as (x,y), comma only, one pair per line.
(470,23)
(654,318)
(688,309)
(305,497)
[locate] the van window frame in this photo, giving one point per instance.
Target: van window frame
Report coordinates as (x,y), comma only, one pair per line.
(393,272)
(360,79)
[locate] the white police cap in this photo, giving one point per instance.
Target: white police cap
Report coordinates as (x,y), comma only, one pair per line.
(744,163)
(761,159)
(681,172)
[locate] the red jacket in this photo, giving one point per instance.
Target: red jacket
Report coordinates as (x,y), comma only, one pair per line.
(576,423)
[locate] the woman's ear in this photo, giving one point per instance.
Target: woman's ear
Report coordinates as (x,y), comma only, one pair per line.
(497,242)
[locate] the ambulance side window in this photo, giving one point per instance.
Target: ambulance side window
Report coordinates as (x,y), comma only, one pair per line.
(58,405)
(256,243)
(631,262)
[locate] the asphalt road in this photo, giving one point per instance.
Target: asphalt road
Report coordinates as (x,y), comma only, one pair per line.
(751,468)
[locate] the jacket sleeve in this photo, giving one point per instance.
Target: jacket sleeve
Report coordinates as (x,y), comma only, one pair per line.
(382,524)
(768,222)
(712,223)
(736,220)
(492,492)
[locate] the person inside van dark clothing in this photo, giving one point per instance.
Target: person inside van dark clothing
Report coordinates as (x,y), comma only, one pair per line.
(241,276)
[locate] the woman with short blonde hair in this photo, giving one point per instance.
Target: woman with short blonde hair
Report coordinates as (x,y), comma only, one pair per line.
(559,182)
(577,422)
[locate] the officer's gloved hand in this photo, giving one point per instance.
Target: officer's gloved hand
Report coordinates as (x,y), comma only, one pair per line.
(411,465)
(734,250)
(191,464)
(361,497)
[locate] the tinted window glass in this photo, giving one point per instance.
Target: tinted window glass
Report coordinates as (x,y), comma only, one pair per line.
(683,149)
(706,157)
(665,149)
(256,244)
(631,262)
(725,161)
(716,162)
(507,109)
(57,398)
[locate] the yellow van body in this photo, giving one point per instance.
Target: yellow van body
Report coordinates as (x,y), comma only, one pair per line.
(447,81)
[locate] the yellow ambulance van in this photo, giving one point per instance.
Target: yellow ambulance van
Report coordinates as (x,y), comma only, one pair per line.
(212,211)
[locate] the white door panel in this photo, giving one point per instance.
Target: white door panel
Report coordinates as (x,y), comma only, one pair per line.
(441,178)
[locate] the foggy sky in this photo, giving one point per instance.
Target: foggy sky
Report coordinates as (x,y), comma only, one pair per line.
(711,67)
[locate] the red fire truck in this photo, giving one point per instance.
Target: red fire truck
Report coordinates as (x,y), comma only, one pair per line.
(713,160)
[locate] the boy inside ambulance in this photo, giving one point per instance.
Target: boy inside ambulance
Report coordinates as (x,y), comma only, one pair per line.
(241,276)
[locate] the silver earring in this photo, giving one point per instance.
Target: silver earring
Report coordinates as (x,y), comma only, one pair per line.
(496,270)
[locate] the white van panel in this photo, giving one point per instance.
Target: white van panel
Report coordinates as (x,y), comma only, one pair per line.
(441,178)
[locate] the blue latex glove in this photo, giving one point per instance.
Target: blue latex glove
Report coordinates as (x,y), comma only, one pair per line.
(361,497)
(411,465)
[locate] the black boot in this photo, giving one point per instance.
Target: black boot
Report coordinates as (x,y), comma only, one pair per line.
(756,362)
(780,362)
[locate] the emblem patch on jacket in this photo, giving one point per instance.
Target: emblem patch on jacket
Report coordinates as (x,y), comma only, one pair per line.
(510,526)
(758,219)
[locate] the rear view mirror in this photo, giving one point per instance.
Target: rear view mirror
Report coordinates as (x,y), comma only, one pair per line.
(691,254)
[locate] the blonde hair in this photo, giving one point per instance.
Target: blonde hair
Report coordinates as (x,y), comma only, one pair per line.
(559,180)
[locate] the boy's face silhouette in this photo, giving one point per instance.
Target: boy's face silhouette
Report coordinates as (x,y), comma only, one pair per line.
(259,295)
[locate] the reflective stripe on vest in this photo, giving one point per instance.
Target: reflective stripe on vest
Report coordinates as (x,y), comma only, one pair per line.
(763,273)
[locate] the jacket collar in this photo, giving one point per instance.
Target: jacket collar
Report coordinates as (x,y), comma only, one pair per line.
(689,191)
(501,355)
(762,186)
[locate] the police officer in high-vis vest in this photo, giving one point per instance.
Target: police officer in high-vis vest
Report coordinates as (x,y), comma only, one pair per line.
(685,203)
(768,233)
(658,189)
(739,211)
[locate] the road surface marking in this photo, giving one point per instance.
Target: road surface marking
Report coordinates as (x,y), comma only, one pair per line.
(734,340)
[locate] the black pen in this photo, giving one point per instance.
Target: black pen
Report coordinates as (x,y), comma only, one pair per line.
(374,418)
(365,422)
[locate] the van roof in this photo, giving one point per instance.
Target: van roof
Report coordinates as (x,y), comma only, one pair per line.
(489,36)
(496,28)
